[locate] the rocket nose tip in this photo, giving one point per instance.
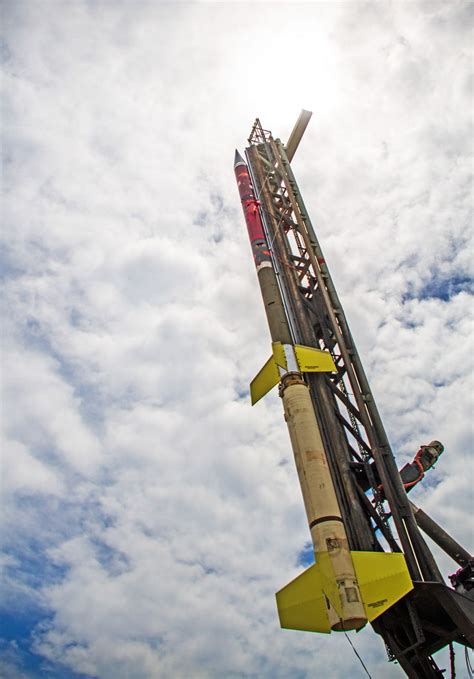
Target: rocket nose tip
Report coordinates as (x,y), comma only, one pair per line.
(238,158)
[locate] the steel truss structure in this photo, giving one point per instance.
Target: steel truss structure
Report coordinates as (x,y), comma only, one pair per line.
(364,471)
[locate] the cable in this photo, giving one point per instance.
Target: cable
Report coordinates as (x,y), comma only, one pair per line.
(361,661)
(451,661)
(267,177)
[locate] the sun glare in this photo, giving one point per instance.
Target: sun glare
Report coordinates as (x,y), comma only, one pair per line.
(306,76)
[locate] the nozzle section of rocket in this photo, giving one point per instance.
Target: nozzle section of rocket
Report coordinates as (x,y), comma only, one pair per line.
(338,591)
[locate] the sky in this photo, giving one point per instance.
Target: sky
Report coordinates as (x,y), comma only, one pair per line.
(148,512)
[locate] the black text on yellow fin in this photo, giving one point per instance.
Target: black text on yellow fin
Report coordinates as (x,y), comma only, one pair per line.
(383,579)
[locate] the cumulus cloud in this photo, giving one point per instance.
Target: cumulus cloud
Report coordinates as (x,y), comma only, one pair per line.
(149,513)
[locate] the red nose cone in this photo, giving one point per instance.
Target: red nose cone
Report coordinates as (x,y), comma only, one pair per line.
(238,160)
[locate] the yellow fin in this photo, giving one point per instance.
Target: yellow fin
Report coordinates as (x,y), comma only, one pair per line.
(311,360)
(383,579)
(308,358)
(328,581)
(302,604)
(265,380)
(279,354)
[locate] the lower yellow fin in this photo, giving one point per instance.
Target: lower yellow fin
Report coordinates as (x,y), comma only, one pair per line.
(383,579)
(302,604)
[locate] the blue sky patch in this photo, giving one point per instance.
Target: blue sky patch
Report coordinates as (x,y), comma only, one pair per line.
(306,556)
(441,288)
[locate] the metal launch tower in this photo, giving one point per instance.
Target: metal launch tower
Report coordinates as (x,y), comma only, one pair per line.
(304,313)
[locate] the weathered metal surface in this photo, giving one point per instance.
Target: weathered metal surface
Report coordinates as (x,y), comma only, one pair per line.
(322,509)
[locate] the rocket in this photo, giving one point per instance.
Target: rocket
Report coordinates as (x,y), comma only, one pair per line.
(343,589)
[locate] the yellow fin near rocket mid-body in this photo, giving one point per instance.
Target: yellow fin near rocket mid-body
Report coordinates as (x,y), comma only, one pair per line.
(382,577)
(308,359)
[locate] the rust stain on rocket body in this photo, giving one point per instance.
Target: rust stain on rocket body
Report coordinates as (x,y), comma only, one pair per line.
(316,455)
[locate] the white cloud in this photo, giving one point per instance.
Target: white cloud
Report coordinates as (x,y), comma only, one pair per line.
(23,472)
(42,413)
(164,509)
